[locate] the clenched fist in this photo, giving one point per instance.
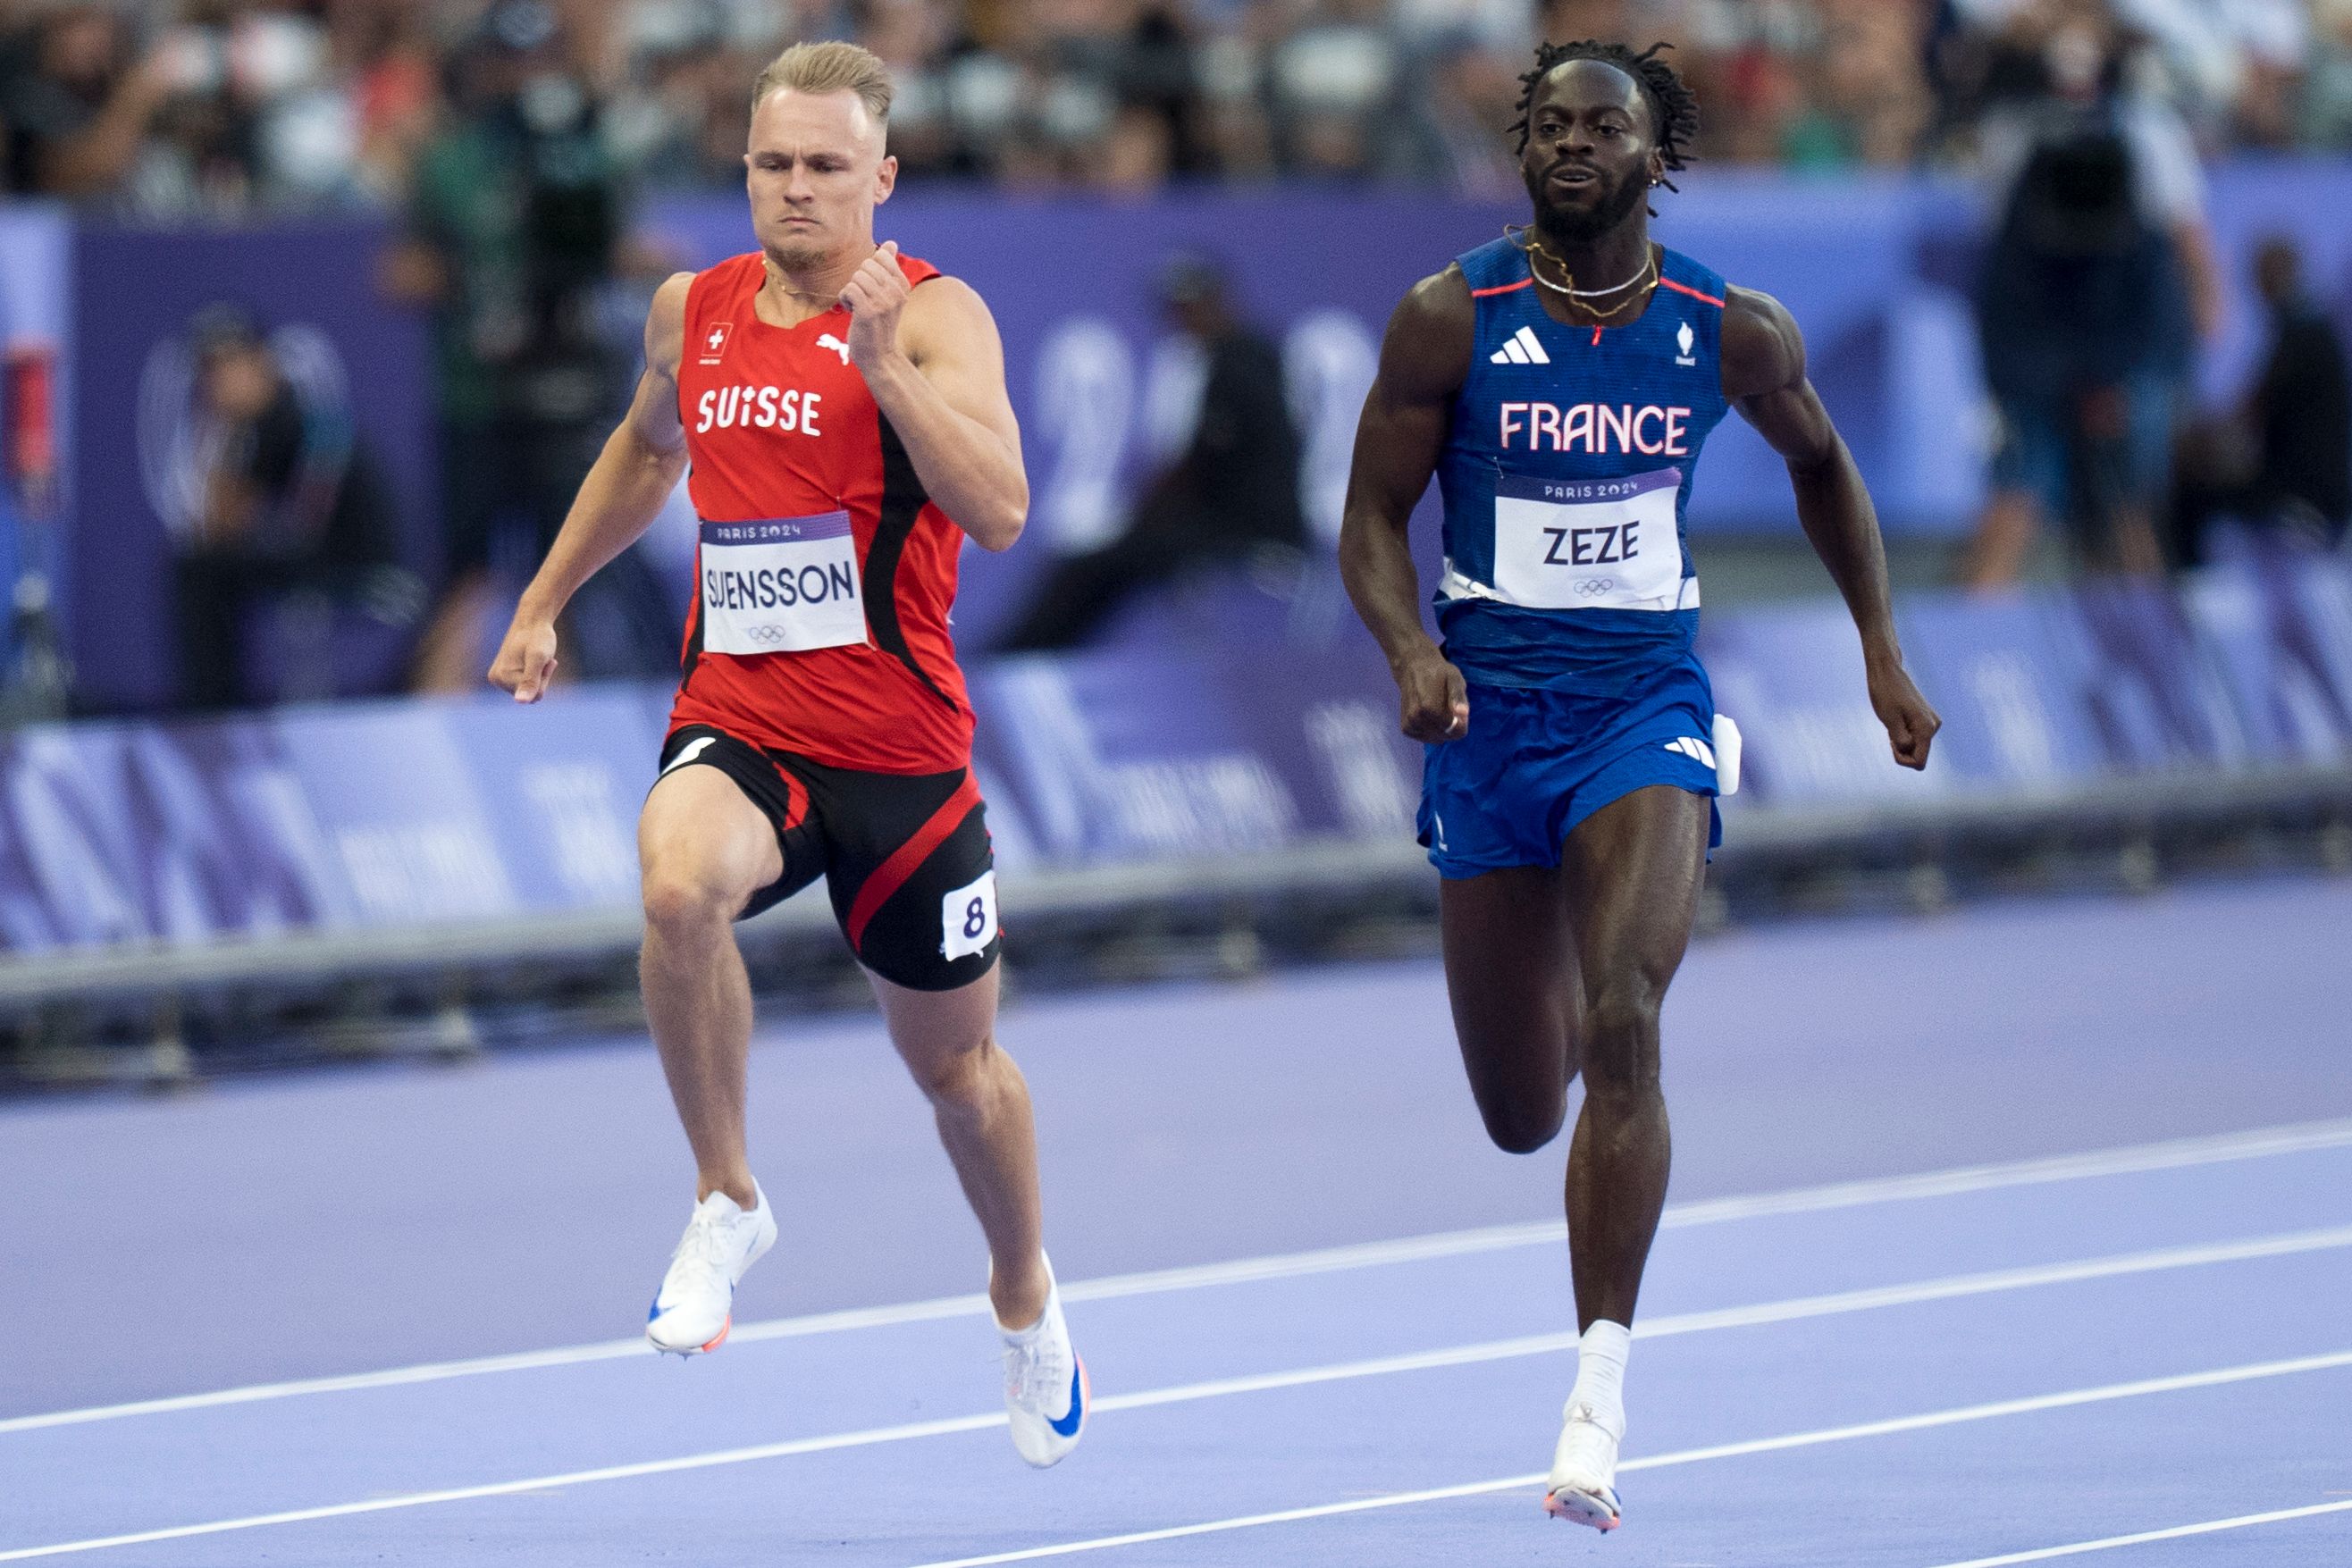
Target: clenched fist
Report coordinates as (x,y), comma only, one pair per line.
(526,660)
(874,297)
(1433,701)
(1910,723)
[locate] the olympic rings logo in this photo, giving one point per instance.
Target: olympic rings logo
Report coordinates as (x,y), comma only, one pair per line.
(769,635)
(1593,586)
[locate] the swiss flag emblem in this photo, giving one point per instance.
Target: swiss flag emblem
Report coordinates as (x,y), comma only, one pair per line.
(714,340)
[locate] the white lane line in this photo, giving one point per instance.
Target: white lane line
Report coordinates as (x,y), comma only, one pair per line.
(1757,1314)
(1377,1366)
(1900,1424)
(2172,1155)
(2209,1527)
(508,1488)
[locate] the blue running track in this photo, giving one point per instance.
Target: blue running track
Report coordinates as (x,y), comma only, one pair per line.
(2018,1233)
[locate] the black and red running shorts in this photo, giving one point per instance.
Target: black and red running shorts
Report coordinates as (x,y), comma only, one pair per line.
(906,857)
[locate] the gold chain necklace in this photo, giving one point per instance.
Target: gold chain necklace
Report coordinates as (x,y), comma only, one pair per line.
(1645,281)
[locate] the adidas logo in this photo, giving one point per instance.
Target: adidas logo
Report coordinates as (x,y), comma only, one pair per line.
(1521,348)
(1697,750)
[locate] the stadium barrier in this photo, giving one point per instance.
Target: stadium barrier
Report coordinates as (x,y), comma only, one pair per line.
(1218,760)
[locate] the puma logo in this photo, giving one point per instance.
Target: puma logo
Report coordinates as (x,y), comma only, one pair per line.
(828,340)
(692,750)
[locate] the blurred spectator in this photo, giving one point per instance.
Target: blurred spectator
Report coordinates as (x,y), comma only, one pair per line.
(514,226)
(2284,459)
(231,104)
(2326,119)
(1079,92)
(395,89)
(288,505)
(1868,79)
(247,110)
(2086,294)
(1472,94)
(1233,494)
(1335,83)
(677,111)
(79,101)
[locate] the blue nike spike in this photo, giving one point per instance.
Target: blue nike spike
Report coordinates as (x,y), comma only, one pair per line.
(1067,1426)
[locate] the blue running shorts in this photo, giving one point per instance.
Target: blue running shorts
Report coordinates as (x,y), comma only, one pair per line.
(1536,762)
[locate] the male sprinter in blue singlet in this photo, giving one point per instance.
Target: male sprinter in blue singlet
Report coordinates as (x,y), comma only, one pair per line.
(1559,383)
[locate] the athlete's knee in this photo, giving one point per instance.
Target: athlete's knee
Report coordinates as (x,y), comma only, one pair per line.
(1524,1135)
(681,896)
(1518,1127)
(961,1078)
(1620,1054)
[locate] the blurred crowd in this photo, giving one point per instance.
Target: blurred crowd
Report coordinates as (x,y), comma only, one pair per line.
(229,106)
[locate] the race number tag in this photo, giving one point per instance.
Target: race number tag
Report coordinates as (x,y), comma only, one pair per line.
(968,918)
(1588,544)
(780,587)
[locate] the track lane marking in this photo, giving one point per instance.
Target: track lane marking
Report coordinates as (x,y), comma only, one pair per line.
(2042,1554)
(1869,1298)
(1901,1424)
(2133,1159)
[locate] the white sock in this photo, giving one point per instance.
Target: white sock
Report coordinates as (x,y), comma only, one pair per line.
(1601,1373)
(1029,1334)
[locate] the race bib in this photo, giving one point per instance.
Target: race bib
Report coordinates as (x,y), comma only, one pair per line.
(968,918)
(1588,544)
(780,587)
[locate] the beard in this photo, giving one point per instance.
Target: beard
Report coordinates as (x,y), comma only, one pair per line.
(1577,226)
(799,255)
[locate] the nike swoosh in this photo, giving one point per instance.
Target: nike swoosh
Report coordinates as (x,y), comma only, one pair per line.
(1067,1426)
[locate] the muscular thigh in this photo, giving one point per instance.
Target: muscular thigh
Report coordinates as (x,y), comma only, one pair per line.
(1633,869)
(699,832)
(1512,975)
(911,874)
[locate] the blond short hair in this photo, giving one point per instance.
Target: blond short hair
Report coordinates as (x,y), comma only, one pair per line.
(832,67)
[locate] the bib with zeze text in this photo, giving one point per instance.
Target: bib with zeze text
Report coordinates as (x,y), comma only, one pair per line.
(784,586)
(1588,544)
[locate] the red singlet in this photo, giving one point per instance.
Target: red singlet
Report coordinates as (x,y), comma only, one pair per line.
(823,573)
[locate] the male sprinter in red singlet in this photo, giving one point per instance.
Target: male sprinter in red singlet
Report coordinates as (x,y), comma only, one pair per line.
(1560,382)
(841,411)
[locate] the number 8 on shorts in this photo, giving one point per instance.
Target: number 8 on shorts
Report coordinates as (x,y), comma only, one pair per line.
(968,917)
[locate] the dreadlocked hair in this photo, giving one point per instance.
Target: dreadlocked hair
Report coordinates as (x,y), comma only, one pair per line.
(1673,106)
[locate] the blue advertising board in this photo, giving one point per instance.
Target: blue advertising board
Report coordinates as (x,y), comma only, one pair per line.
(400,813)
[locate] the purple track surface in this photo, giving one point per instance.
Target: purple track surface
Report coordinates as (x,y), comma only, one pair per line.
(2046,1353)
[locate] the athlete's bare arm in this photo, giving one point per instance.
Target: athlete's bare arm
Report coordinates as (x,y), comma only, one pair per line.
(1764,377)
(1424,360)
(618,500)
(935,364)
